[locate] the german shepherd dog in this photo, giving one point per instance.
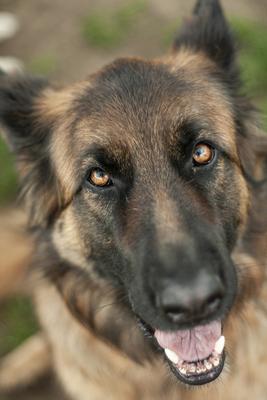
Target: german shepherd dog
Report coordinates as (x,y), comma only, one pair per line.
(145,187)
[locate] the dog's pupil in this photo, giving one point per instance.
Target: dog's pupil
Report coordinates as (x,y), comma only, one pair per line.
(99,178)
(203,154)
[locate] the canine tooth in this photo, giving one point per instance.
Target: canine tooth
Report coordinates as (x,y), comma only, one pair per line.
(183,370)
(219,345)
(172,356)
(180,363)
(215,361)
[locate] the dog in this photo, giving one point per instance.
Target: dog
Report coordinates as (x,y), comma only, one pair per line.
(146,195)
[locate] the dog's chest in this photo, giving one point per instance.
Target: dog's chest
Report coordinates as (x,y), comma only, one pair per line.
(85,364)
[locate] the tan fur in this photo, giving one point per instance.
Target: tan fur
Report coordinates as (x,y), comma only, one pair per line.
(86,364)
(14,261)
(70,245)
(90,368)
(196,68)
(25,364)
(169,228)
(79,315)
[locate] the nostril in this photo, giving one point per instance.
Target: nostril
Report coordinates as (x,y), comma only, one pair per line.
(213,303)
(174,309)
(199,299)
(176,315)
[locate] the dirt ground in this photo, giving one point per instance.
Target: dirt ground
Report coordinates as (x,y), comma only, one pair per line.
(50,39)
(52,30)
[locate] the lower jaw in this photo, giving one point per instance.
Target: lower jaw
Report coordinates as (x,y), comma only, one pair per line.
(192,379)
(200,376)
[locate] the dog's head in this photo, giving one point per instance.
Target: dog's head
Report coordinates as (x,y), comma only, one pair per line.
(138,174)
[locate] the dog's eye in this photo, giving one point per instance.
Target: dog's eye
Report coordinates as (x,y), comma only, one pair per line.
(203,154)
(100,178)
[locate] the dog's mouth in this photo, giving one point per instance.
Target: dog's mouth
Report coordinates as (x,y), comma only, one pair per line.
(196,355)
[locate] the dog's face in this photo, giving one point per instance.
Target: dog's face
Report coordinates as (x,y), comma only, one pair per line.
(136,174)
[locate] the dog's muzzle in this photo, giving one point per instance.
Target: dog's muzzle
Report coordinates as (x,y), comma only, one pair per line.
(195,351)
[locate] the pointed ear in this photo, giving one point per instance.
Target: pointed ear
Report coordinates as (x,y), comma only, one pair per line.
(28,138)
(207,30)
(17,103)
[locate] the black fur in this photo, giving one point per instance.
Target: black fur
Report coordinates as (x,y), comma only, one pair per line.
(143,136)
(29,141)
(208,31)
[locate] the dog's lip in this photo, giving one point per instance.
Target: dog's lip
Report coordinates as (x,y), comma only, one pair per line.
(189,379)
(198,379)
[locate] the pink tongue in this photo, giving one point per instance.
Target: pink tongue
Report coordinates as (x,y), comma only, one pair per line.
(191,344)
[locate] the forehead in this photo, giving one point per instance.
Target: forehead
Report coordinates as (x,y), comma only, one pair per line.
(132,105)
(140,101)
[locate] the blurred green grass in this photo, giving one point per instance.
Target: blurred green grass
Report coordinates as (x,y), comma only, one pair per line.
(8,179)
(252,38)
(44,64)
(253,56)
(17,323)
(106,31)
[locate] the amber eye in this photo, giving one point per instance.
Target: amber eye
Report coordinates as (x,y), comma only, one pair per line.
(203,154)
(98,177)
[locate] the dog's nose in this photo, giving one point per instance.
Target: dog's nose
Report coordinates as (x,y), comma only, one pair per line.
(187,302)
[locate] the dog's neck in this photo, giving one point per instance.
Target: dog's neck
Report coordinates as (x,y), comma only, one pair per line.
(245,340)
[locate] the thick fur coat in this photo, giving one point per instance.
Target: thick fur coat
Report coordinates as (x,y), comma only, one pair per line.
(120,202)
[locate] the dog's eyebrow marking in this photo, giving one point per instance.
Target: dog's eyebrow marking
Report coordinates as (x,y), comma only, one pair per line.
(115,158)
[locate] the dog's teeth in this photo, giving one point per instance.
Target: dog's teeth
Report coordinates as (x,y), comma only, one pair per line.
(219,346)
(183,370)
(172,356)
(216,362)
(192,368)
(208,365)
(199,370)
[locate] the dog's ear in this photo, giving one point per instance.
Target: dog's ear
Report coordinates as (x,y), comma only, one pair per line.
(17,108)
(207,30)
(252,148)
(28,138)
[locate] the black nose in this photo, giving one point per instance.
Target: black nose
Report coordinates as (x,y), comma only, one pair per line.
(193,301)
